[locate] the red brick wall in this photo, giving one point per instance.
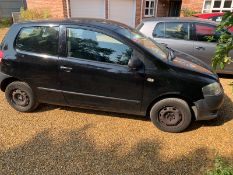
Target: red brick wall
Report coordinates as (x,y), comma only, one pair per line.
(195,5)
(138,12)
(57,8)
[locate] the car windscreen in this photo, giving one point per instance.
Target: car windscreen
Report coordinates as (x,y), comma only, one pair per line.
(155,48)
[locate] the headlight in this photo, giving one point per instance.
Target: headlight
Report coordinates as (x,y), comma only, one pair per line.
(212,89)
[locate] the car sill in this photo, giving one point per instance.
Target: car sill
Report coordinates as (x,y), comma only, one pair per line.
(89,95)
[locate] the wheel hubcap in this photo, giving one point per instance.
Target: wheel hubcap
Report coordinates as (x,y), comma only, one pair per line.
(20,98)
(170,116)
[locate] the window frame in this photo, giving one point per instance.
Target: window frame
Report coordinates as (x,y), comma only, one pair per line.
(214,9)
(36,53)
(164,29)
(150,8)
(109,34)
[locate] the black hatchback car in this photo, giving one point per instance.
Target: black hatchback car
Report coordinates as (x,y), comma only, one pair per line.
(108,66)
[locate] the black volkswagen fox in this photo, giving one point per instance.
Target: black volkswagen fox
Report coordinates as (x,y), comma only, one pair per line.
(105,65)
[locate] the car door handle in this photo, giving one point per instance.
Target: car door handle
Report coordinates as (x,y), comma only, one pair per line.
(66,69)
(200,48)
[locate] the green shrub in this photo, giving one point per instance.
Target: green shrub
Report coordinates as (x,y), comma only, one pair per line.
(34,14)
(220,168)
(225,43)
(5,22)
(188,12)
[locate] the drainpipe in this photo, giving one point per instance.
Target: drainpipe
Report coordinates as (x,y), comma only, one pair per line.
(156,8)
(142,1)
(68,8)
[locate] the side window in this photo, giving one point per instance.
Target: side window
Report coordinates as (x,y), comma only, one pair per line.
(159,30)
(177,30)
(204,31)
(96,46)
(43,40)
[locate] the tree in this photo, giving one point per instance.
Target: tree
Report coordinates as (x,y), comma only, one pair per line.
(225,42)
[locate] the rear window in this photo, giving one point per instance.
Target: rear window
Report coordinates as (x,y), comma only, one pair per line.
(42,40)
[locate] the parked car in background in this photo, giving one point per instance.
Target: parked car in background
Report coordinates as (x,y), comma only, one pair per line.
(105,65)
(216,16)
(189,35)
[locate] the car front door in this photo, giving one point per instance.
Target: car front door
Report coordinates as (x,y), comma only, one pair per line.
(205,50)
(176,35)
(94,72)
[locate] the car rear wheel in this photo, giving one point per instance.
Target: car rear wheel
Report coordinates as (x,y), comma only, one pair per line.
(21,97)
(171,115)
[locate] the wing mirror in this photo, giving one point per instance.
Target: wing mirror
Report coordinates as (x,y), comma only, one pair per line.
(134,63)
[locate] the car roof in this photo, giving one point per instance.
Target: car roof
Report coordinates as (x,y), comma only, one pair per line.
(178,19)
(92,22)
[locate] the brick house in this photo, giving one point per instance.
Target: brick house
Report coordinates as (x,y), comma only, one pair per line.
(130,12)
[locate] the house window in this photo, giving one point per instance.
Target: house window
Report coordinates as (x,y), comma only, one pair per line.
(217,6)
(149,8)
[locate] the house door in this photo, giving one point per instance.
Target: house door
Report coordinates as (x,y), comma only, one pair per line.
(175,7)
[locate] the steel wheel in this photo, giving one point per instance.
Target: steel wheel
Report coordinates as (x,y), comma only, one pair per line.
(170,116)
(20,98)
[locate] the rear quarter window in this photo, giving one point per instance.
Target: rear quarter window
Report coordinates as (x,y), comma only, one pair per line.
(42,40)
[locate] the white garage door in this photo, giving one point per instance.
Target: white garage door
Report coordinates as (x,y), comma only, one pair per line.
(123,11)
(87,8)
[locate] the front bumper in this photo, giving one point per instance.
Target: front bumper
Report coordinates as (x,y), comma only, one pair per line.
(207,108)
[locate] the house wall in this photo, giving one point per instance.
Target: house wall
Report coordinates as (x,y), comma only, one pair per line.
(195,5)
(138,12)
(57,8)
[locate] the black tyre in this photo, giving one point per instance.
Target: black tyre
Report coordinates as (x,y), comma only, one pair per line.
(171,115)
(21,97)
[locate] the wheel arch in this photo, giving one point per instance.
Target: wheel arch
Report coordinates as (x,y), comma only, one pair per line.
(6,82)
(187,100)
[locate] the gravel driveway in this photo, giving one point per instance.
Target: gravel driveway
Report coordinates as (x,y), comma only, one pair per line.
(63,140)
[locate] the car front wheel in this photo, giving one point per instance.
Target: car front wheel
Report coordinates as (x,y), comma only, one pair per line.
(21,97)
(171,115)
